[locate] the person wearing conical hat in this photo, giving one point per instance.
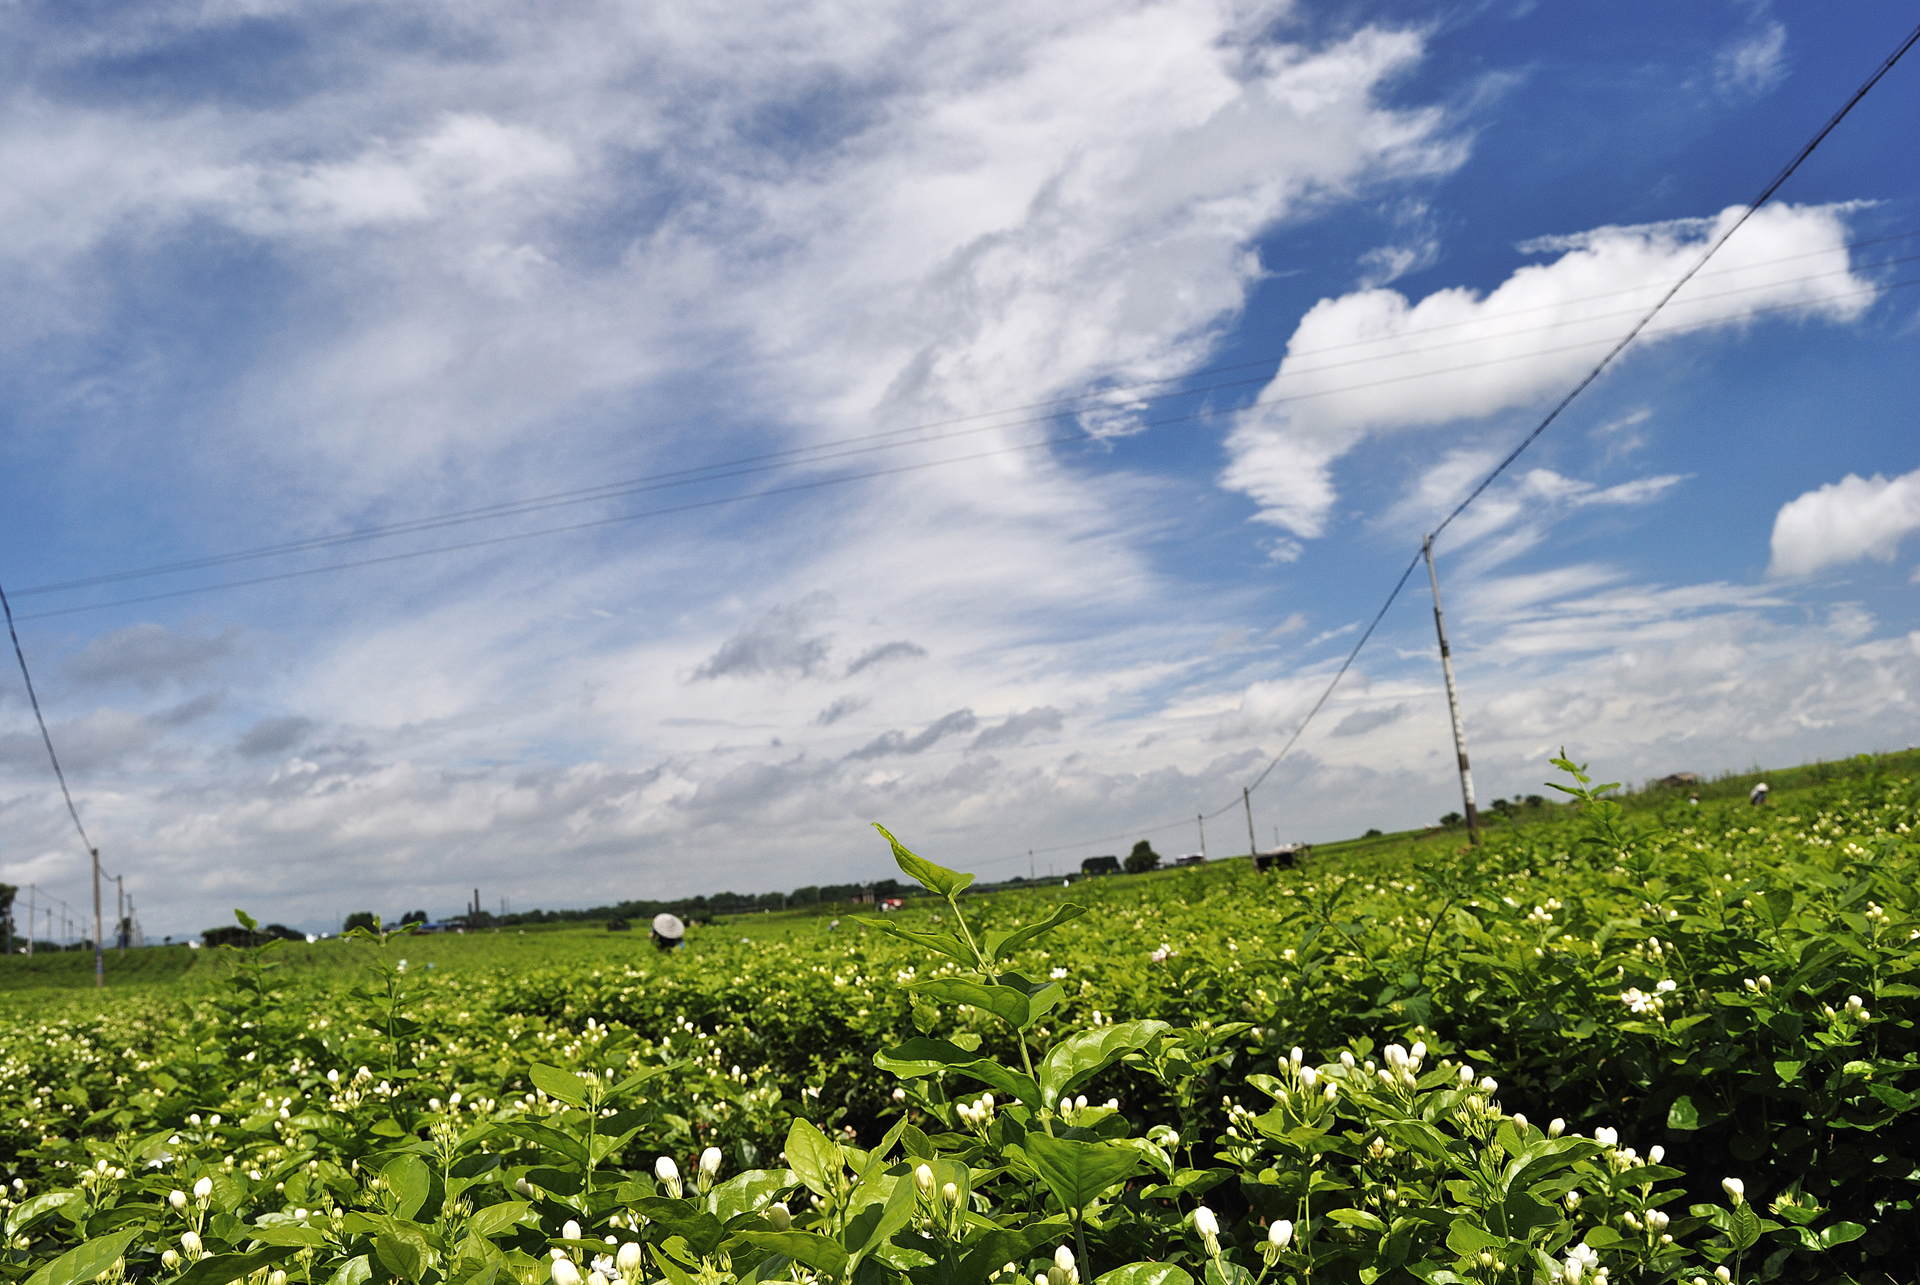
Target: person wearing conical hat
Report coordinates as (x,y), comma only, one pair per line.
(668,931)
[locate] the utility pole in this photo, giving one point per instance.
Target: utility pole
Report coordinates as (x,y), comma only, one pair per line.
(99,946)
(1202,822)
(1030,878)
(1453,699)
(33,913)
(1253,844)
(120,907)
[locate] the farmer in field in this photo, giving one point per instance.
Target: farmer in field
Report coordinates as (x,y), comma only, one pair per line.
(668,931)
(1759,794)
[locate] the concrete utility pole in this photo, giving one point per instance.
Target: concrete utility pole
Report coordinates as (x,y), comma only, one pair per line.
(33,913)
(99,924)
(1453,699)
(1201,820)
(120,907)
(1030,865)
(1253,844)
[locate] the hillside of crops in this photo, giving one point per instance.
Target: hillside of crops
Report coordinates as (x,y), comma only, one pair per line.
(1645,1043)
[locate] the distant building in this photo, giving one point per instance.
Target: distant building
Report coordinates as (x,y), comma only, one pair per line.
(1100,866)
(1678,781)
(1191,859)
(1283,857)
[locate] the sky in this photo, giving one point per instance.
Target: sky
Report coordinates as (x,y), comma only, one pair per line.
(617,451)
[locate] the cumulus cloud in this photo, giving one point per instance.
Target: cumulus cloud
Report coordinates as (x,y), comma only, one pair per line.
(841,707)
(1373,361)
(883,653)
(778,644)
(1017,727)
(275,735)
(1362,721)
(1753,62)
(147,655)
(1845,521)
(892,743)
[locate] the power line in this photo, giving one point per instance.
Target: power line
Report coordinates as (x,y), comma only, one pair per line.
(1766,194)
(817,453)
(46,737)
(618,519)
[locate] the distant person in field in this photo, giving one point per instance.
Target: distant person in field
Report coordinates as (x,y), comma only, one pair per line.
(1759,795)
(1694,798)
(668,931)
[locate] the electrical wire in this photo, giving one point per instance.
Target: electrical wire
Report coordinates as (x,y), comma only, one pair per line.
(816,453)
(619,519)
(1766,194)
(46,737)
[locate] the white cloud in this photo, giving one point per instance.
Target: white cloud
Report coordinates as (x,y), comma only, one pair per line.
(1373,361)
(1845,521)
(1753,62)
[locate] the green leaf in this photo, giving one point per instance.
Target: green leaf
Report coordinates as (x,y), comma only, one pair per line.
(1078,1172)
(1840,1234)
(563,1085)
(1086,1053)
(818,1252)
(700,1229)
(288,1232)
(937,879)
(1145,1274)
(494,1220)
(1745,1233)
(1683,1115)
(816,1161)
(84,1262)
(1356,1218)
(411,1182)
(355,1271)
(945,943)
(922,1056)
(1001,944)
(247,921)
(1603,1237)
(1465,1238)
(1004,1002)
(222,1269)
(1779,903)
(875,1224)
(28,1212)
(404,1256)
(749,1192)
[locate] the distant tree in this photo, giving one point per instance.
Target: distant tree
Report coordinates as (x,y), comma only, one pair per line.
(227,935)
(1451,819)
(358,919)
(1142,859)
(1534,801)
(1371,834)
(414,917)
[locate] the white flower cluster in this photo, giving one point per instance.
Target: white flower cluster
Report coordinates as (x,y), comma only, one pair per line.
(1542,916)
(1855,1011)
(977,1114)
(1644,1005)
(1403,1066)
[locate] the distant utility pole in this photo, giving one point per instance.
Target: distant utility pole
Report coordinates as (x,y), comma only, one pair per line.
(1201,820)
(1453,699)
(1030,876)
(1253,844)
(99,926)
(120,909)
(33,913)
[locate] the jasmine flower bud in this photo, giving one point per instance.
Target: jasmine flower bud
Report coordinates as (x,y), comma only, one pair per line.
(709,1167)
(178,1199)
(779,1215)
(1556,1127)
(565,1273)
(1735,1189)
(1280,1234)
(203,1189)
(1209,1228)
(669,1174)
(571,1231)
(923,1179)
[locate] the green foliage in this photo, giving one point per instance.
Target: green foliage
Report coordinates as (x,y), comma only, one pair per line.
(1142,859)
(1426,1063)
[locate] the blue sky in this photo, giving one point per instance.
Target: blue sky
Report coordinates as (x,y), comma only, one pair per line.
(1178,323)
